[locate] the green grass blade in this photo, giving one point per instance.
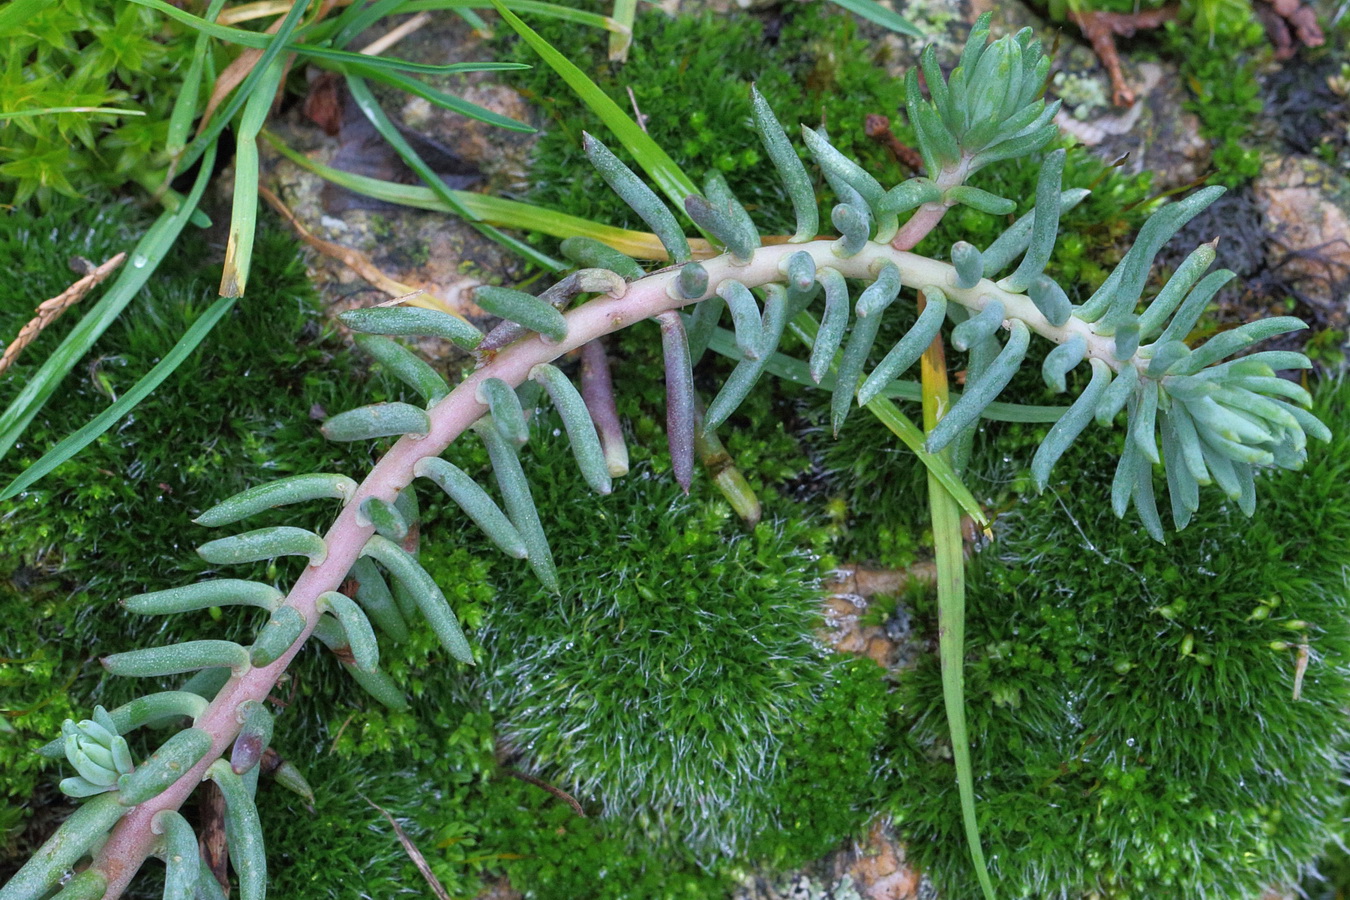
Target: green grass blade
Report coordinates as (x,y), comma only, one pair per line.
(185,104)
(532,7)
(875,12)
(951,588)
(145,258)
(252,39)
(949,553)
(86,435)
(221,118)
(360,16)
(15,14)
(654,161)
(372,110)
(395,64)
(53,110)
(939,468)
(412,86)
(244,211)
(625,11)
(482,208)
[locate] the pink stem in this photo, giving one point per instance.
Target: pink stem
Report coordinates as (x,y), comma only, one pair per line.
(132,839)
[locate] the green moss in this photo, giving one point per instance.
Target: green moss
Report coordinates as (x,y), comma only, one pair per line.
(79,53)
(550,853)
(114,521)
(1133,723)
(832,754)
(661,682)
(1226,95)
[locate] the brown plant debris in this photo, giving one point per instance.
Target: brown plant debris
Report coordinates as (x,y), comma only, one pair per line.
(49,310)
(1101,30)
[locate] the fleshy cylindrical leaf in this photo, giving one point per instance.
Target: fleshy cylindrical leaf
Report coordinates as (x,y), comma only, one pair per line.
(220,592)
(1061,360)
(978,396)
(639,197)
(475,502)
(165,766)
(265,543)
(791,172)
(501,400)
(576,420)
(411,321)
(376,421)
(385,516)
(515,488)
(833,322)
(909,348)
(597,389)
(90,884)
(175,659)
(523,309)
(255,734)
(90,822)
(873,301)
(182,859)
(748,371)
(285,491)
(1050,299)
(591,253)
(406,366)
(969,267)
(980,326)
(680,399)
(244,831)
(429,598)
(277,636)
(360,636)
(745,317)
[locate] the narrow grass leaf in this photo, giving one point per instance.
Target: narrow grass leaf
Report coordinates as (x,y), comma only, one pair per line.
(149,252)
(654,161)
(873,11)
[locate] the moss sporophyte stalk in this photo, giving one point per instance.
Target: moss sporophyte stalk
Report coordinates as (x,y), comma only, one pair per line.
(1206,418)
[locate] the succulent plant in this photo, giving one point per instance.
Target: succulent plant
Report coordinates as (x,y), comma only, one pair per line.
(1206,418)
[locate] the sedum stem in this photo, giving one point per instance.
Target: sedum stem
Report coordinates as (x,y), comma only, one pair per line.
(133,839)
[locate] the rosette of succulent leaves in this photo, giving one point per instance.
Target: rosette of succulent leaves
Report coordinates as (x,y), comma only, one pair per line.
(1202,415)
